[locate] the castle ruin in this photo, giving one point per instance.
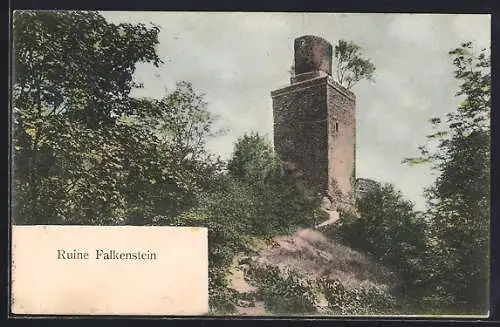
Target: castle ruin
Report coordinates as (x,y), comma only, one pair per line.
(315,125)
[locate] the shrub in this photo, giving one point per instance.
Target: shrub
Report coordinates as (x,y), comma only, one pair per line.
(283,292)
(251,201)
(364,299)
(387,228)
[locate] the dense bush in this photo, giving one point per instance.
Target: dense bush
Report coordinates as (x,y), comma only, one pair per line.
(284,293)
(241,206)
(363,299)
(85,150)
(225,211)
(386,227)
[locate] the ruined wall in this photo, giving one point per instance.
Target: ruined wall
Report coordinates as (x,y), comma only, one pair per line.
(301,131)
(341,143)
(315,125)
(312,54)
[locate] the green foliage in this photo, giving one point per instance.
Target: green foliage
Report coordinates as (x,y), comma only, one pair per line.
(284,293)
(60,99)
(459,199)
(287,292)
(280,206)
(85,152)
(61,58)
(245,204)
(283,207)
(364,299)
(351,66)
(183,123)
(387,228)
(235,216)
(253,160)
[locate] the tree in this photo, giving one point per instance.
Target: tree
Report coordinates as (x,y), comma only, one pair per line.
(253,159)
(386,227)
(77,64)
(251,200)
(281,205)
(459,199)
(85,151)
(72,75)
(351,67)
(178,164)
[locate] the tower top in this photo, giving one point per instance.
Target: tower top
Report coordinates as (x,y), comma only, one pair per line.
(312,54)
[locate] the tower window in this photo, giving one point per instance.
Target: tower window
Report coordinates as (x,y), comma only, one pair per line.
(336,126)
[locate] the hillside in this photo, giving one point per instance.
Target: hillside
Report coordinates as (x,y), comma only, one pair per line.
(313,255)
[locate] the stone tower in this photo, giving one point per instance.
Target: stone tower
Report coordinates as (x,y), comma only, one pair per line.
(315,125)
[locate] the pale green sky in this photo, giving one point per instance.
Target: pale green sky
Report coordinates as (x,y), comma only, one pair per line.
(236,59)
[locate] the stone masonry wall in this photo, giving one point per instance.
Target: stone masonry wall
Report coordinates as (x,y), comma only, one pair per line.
(341,144)
(315,126)
(314,134)
(301,131)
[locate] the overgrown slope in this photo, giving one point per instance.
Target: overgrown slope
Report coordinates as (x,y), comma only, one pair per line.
(313,260)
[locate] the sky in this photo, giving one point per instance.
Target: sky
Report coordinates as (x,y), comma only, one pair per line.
(236,59)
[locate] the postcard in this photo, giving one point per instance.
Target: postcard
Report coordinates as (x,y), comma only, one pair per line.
(250,164)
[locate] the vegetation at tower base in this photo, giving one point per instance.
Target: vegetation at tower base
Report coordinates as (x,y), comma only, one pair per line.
(458,206)
(386,227)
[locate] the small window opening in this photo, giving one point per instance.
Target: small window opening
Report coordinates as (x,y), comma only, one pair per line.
(336,126)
